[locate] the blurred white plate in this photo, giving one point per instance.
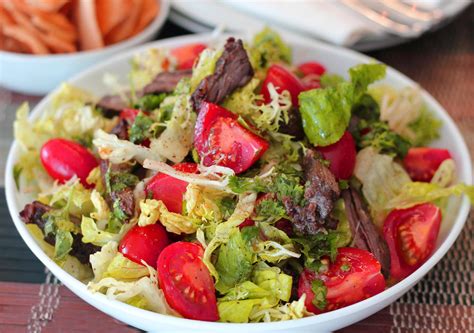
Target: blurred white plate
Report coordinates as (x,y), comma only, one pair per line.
(206,15)
(38,75)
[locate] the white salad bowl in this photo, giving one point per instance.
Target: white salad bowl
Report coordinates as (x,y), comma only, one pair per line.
(337,60)
(38,75)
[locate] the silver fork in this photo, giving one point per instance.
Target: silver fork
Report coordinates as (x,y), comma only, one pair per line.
(395,17)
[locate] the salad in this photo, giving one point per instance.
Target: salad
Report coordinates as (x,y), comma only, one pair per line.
(227,183)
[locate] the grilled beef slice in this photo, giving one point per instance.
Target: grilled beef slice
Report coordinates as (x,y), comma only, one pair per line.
(33,213)
(164,82)
(233,70)
(294,127)
(365,234)
(321,191)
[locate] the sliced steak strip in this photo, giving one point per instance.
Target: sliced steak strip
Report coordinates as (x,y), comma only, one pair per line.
(233,70)
(294,127)
(121,130)
(164,82)
(365,234)
(321,191)
(33,213)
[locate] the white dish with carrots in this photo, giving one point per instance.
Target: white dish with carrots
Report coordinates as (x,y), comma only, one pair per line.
(217,185)
(42,43)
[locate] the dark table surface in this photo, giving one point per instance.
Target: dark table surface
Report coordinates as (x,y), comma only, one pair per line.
(441,61)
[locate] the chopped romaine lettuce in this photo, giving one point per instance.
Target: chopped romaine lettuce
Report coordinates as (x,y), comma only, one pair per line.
(100,260)
(146,65)
(234,262)
(205,66)
(176,140)
(123,269)
(243,209)
(330,80)
(62,245)
(425,128)
(92,234)
(382,179)
(326,113)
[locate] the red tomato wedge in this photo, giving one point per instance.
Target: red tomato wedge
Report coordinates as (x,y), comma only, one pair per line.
(129,115)
(311,68)
(352,277)
(220,139)
(421,163)
(411,237)
(186,55)
(341,155)
(144,243)
(186,281)
(170,190)
(64,159)
(282,79)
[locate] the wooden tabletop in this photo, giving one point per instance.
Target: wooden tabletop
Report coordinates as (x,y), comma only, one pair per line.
(441,61)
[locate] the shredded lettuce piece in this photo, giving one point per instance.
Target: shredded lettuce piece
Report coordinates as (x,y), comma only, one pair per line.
(381,179)
(276,245)
(211,181)
(330,80)
(62,245)
(287,311)
(415,193)
(205,66)
(234,261)
(146,65)
(246,301)
(176,140)
(176,223)
(124,269)
(102,211)
(406,114)
(95,178)
(202,203)
(267,48)
(71,197)
(243,209)
(446,173)
(143,292)
(119,151)
(92,234)
(100,260)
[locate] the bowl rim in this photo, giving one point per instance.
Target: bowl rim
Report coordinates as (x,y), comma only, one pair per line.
(152,27)
(112,307)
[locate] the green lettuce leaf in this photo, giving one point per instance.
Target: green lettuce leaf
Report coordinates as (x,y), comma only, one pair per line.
(267,48)
(330,80)
(234,262)
(245,302)
(63,244)
(415,193)
(123,268)
(363,75)
(326,113)
(205,66)
(425,128)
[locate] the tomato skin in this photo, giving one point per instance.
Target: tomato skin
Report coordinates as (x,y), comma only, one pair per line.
(170,190)
(282,79)
(144,243)
(219,138)
(129,115)
(341,155)
(186,281)
(421,163)
(311,68)
(186,55)
(352,277)
(64,159)
(411,236)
